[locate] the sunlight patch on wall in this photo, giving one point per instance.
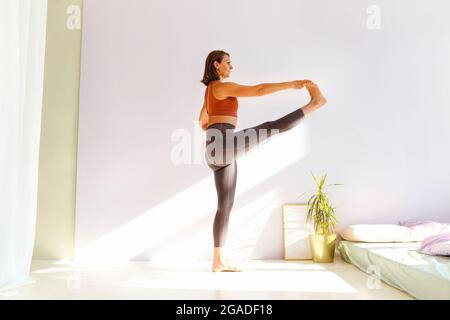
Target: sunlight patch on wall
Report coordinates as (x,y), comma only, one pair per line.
(189,213)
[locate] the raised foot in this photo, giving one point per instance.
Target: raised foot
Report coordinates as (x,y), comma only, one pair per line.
(317,97)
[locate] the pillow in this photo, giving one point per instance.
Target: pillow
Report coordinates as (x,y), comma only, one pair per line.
(378,233)
(414,223)
(426,228)
(437,245)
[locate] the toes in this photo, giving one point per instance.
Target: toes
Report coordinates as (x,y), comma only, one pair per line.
(227,269)
(232,268)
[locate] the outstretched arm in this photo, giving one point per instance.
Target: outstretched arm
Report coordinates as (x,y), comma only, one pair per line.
(232,89)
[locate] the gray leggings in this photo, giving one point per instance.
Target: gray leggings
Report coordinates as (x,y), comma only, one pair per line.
(223,148)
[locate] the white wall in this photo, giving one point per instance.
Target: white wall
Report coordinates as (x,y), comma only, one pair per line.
(384,133)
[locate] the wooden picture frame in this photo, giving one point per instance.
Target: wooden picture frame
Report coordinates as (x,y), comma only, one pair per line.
(296,232)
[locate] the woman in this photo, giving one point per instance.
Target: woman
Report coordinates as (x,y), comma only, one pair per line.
(223,145)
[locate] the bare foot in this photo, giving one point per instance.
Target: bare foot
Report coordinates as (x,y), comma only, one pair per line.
(224,267)
(317,99)
(316,96)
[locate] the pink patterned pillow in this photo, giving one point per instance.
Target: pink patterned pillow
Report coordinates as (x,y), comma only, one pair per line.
(438,245)
(426,228)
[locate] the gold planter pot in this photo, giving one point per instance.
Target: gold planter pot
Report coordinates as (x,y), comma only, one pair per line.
(322,247)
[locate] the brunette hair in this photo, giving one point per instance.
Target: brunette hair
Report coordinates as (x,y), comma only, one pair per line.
(210,72)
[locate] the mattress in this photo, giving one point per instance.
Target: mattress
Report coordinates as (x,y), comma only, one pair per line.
(401,266)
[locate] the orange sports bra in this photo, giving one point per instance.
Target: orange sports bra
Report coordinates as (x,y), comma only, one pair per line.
(215,107)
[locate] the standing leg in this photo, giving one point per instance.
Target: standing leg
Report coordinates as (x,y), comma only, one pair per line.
(225,180)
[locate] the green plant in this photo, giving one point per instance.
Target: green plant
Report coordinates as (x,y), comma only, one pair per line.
(319,209)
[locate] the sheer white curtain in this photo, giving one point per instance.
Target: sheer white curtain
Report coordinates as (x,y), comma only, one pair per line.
(22,49)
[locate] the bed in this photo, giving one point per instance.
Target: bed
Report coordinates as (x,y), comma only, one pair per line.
(401,266)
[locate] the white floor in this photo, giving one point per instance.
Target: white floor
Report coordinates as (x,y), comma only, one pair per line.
(260,279)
